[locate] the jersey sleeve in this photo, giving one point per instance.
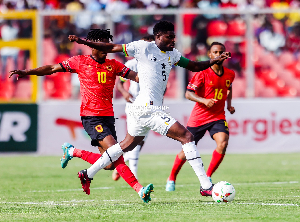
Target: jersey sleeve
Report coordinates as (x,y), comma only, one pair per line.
(120,69)
(130,49)
(183,62)
(176,56)
(196,82)
(71,65)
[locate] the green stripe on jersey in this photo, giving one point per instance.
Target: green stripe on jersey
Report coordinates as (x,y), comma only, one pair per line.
(183,62)
(124,50)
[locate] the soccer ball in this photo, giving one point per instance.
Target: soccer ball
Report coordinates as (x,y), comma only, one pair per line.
(223,192)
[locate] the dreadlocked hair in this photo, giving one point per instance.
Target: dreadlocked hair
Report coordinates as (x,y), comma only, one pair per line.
(163,26)
(96,35)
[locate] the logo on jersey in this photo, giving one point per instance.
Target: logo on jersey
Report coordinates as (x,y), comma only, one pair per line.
(211,83)
(109,68)
(169,61)
(152,57)
(227,83)
(99,128)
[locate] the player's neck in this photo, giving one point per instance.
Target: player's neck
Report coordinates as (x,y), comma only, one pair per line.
(98,59)
(218,69)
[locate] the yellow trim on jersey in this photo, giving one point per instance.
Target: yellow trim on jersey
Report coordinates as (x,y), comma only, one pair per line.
(122,79)
(163,52)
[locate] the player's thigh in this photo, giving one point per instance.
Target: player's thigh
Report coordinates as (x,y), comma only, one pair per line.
(136,127)
(102,133)
(198,132)
(98,128)
(220,133)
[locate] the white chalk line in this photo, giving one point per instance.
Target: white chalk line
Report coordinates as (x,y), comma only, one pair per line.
(56,203)
(177,185)
(75,202)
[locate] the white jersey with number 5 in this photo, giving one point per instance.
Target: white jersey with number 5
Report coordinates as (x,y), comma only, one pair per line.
(154,67)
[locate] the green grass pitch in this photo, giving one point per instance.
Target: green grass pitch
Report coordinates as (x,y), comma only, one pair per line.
(36,188)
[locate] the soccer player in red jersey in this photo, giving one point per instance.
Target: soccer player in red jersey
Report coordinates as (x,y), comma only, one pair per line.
(210,89)
(97,77)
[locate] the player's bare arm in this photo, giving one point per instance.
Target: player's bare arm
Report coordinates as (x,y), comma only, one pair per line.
(127,96)
(190,95)
(230,108)
(200,66)
(102,46)
(41,71)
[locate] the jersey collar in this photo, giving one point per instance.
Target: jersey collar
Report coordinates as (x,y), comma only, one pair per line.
(216,73)
(97,60)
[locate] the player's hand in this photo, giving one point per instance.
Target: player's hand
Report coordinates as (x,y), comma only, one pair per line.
(221,58)
(128,97)
(74,38)
(20,73)
(231,109)
(209,102)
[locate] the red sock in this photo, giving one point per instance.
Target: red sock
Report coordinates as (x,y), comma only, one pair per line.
(176,168)
(86,155)
(214,163)
(126,174)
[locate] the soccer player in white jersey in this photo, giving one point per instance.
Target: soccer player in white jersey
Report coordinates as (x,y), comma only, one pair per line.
(134,88)
(155,60)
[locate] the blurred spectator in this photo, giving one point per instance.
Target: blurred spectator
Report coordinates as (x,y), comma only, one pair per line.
(294,16)
(228,4)
(51,4)
(251,5)
(200,24)
(270,40)
(236,60)
(282,4)
(207,5)
(293,40)
(25,32)
(188,32)
(93,5)
(115,6)
(9,32)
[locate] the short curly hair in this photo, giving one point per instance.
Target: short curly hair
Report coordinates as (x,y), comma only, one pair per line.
(163,27)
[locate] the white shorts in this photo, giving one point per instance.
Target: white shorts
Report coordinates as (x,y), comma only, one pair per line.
(140,122)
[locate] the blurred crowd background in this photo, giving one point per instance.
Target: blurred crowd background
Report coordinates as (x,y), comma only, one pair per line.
(276,41)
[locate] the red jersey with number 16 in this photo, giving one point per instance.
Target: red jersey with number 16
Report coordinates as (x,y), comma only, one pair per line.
(207,84)
(97,81)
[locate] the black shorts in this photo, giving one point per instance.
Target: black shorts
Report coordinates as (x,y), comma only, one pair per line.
(98,127)
(213,128)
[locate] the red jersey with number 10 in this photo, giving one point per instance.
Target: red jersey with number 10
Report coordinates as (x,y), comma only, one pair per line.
(97,81)
(207,84)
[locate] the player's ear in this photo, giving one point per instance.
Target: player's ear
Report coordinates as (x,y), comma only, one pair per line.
(209,53)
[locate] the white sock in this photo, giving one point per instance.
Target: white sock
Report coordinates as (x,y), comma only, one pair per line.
(71,150)
(133,158)
(194,159)
(110,155)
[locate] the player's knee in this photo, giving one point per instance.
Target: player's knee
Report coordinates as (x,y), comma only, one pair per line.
(222,147)
(189,137)
(110,167)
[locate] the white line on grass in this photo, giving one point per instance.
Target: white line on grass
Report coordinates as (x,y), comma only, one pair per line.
(179,185)
(47,191)
(270,204)
(64,202)
(75,202)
